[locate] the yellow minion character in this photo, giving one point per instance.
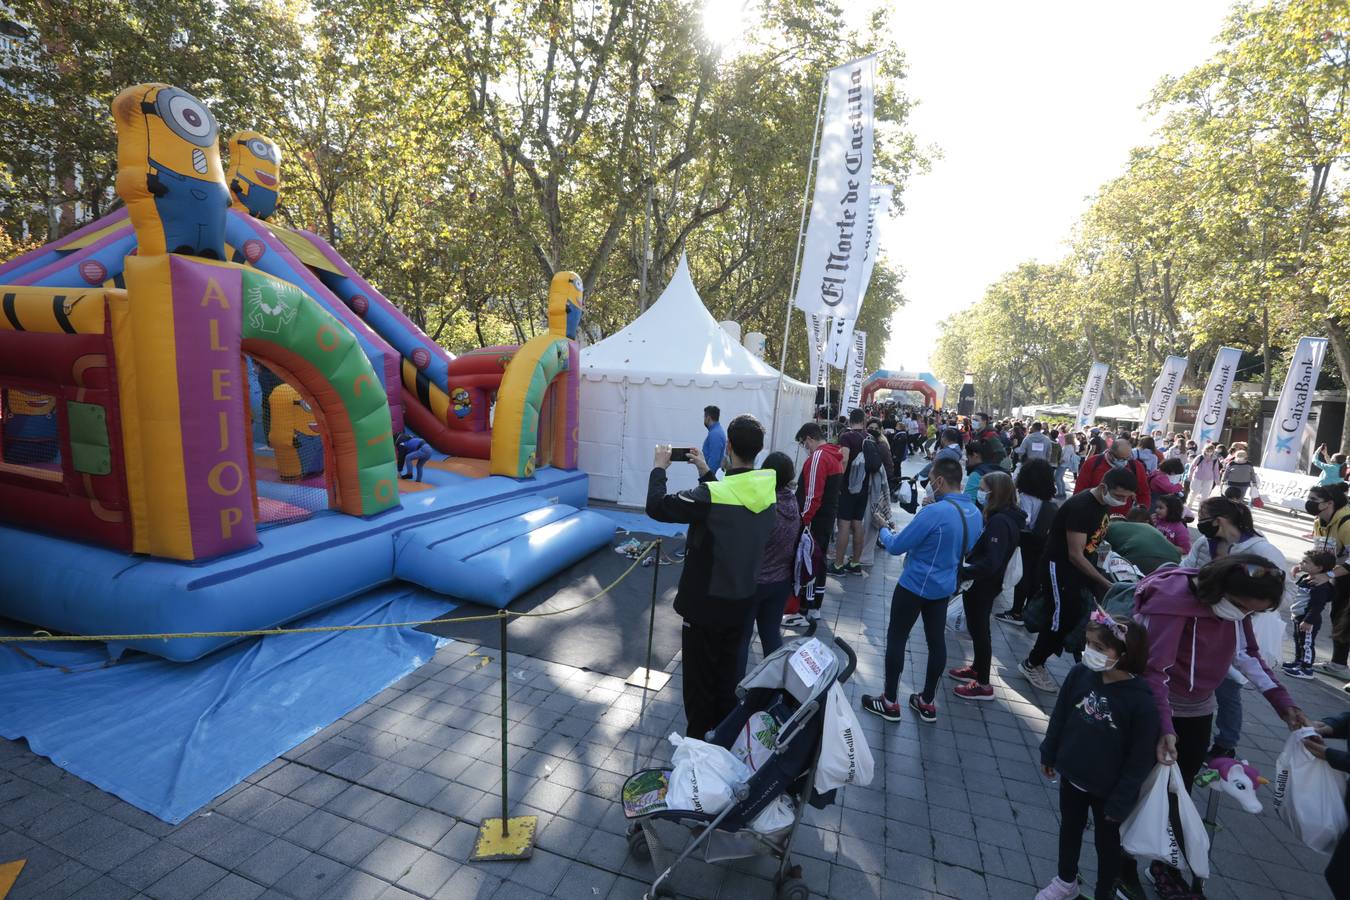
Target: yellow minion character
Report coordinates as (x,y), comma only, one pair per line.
(293,434)
(255,173)
(168,171)
(564,304)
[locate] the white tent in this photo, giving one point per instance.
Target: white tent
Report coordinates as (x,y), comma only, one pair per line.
(648,385)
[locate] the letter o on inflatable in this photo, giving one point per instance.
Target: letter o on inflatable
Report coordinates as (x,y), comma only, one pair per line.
(384,490)
(214,478)
(327,338)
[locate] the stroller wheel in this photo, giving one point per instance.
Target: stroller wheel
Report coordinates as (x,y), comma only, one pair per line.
(638,848)
(793,889)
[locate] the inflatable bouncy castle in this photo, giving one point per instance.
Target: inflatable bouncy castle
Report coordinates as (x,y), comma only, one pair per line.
(179,379)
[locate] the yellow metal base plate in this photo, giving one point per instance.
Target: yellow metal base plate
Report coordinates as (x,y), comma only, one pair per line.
(516,843)
(9,873)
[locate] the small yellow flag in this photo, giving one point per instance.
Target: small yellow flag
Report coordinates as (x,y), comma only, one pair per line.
(9,873)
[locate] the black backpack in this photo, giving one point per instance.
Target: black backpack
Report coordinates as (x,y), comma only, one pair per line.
(871,455)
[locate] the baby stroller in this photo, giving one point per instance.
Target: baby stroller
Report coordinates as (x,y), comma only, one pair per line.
(776,688)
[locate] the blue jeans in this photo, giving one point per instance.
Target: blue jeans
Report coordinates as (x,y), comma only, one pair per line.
(1059,480)
(1228,718)
(766,615)
(420,457)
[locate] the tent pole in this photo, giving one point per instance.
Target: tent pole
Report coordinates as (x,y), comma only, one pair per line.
(796,262)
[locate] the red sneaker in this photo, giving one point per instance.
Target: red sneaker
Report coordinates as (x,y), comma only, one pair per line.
(965,673)
(973,690)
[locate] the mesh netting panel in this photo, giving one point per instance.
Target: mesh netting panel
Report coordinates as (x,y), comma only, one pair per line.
(30,436)
(287,449)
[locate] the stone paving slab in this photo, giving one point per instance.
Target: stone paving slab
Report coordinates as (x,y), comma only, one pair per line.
(386,801)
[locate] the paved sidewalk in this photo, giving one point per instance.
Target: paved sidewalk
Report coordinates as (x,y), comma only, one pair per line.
(385,802)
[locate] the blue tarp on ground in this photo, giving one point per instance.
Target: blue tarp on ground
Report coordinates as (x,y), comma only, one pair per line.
(634,521)
(169,737)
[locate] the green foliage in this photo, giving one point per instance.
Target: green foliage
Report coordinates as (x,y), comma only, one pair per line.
(1230,229)
(458,153)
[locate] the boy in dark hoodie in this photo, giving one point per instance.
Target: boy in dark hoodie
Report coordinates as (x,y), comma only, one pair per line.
(1101,740)
(984,568)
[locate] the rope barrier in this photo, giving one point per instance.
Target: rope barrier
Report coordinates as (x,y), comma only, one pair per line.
(48,637)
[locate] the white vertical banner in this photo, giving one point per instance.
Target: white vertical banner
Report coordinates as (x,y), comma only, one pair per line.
(841,335)
(857,371)
(1164,399)
(1092,395)
(831,277)
(840,343)
(1213,407)
(1289,430)
(817,332)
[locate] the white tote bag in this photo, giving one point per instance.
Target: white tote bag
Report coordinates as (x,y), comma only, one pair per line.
(1147,831)
(1309,794)
(1011,575)
(845,757)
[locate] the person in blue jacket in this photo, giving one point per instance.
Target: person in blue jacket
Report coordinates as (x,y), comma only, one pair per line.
(937,540)
(715,444)
(410,450)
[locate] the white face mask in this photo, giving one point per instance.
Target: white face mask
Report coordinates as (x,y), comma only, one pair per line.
(1096,660)
(981,497)
(1229,611)
(1110,500)
(1175,479)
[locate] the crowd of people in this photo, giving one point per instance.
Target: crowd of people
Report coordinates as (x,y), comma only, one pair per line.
(1089,532)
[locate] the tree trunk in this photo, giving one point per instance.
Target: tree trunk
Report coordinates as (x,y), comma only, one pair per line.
(1265,347)
(1340,346)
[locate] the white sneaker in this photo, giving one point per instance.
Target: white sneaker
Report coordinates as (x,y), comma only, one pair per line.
(1039,678)
(1059,889)
(796,620)
(1336,670)
(813,615)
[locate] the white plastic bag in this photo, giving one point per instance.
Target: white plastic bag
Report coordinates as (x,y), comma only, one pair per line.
(1013,572)
(754,745)
(845,757)
(956,614)
(1147,831)
(774,817)
(1269,630)
(1309,795)
(702,776)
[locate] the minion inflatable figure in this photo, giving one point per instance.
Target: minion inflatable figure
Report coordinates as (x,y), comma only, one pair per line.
(255,174)
(168,171)
(564,305)
(31,432)
(293,434)
(461,402)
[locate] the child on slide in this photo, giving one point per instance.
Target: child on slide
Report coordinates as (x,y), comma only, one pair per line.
(1101,740)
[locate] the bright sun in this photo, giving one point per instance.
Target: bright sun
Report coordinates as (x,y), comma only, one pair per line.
(726,21)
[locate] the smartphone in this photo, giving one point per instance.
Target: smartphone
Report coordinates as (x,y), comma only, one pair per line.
(679,454)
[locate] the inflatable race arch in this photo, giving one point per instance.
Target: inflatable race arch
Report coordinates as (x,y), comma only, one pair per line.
(924,383)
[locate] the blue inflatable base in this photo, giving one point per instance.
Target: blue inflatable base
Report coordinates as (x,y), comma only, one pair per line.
(295,570)
(495,553)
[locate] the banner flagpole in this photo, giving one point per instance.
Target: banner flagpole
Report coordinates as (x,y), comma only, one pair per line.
(796,262)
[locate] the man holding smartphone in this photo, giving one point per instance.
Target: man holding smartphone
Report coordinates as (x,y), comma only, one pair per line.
(729,523)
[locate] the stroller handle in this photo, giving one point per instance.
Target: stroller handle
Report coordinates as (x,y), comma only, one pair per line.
(852,659)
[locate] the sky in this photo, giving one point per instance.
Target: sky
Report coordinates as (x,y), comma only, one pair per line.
(1033,105)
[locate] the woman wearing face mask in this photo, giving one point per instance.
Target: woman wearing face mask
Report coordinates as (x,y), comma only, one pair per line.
(1036,497)
(1100,740)
(1191,615)
(1205,471)
(1226,528)
(1331,532)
